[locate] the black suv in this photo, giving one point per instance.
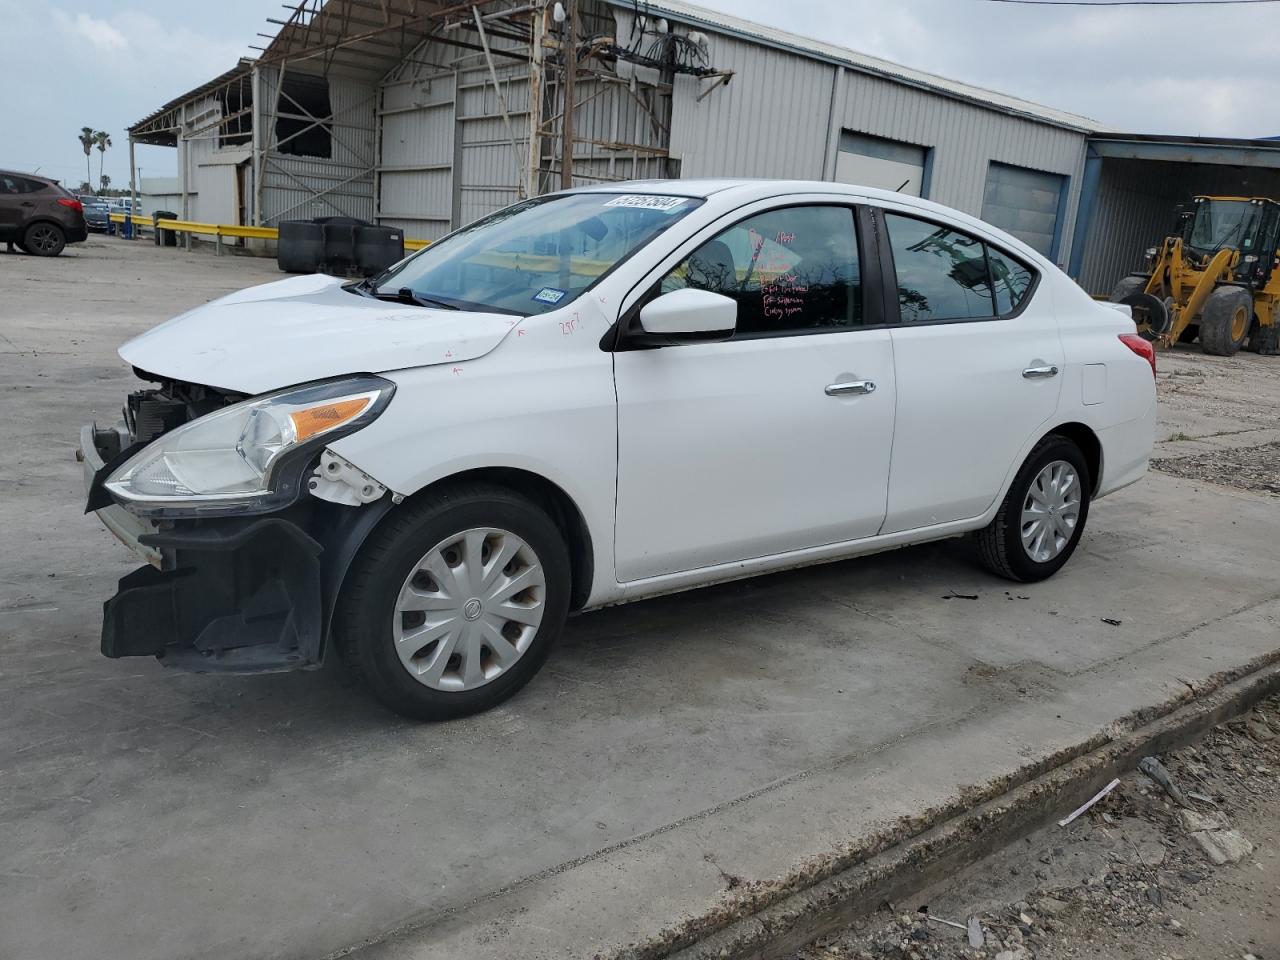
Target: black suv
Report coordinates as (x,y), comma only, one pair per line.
(39,215)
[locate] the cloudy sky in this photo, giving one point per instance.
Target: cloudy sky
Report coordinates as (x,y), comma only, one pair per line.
(107,63)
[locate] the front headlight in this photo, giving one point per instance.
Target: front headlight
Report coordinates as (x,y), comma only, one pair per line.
(236,456)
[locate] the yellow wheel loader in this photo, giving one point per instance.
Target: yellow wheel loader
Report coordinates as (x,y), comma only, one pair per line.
(1217,277)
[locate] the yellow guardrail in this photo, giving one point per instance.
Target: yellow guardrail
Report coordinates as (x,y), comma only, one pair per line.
(543,263)
(220,230)
(138,222)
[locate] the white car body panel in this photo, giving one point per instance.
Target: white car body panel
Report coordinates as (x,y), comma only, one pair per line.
(708,434)
(307,328)
(733,460)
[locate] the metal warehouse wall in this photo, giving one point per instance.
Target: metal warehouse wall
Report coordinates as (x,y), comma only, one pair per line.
(208,172)
(299,188)
(446,156)
(1135,208)
(776,118)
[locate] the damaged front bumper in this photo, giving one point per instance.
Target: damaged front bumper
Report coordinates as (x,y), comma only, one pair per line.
(226,594)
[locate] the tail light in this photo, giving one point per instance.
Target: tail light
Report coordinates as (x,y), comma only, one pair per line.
(68,202)
(1142,347)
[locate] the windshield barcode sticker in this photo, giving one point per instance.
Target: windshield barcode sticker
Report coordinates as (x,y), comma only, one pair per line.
(549,295)
(646,201)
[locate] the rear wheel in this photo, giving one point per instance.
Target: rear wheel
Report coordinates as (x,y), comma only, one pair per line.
(1225,321)
(1038,525)
(44,239)
(455,602)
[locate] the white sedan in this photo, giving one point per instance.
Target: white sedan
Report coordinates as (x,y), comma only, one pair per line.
(597,396)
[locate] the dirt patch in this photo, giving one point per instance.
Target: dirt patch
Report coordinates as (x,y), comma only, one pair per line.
(1249,468)
(1139,875)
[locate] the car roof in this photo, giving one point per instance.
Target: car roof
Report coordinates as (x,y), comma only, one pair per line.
(761,189)
(710,186)
(29,176)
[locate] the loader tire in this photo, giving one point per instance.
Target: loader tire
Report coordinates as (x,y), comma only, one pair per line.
(1127,288)
(1225,321)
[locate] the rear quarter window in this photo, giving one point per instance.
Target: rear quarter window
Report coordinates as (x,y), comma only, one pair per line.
(1012,279)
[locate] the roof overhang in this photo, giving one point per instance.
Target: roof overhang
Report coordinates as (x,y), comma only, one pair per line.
(369,38)
(1214,150)
(161,126)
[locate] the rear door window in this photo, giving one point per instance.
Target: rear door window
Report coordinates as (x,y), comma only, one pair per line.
(942,273)
(947,275)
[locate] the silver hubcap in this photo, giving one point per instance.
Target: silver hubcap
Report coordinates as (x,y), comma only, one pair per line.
(1051,511)
(469,609)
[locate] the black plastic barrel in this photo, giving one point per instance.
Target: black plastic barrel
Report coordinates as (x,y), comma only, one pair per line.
(300,248)
(168,238)
(378,248)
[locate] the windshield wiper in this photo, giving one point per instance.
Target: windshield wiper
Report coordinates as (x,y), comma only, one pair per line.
(406,295)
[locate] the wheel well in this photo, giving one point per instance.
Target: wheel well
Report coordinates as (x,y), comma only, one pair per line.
(560,507)
(1084,438)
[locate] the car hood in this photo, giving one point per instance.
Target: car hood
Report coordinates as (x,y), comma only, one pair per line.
(307,328)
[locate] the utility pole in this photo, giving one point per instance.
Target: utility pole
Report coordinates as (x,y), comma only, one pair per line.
(533,177)
(570,56)
(135,174)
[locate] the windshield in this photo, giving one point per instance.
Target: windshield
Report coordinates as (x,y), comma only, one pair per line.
(1224,223)
(536,255)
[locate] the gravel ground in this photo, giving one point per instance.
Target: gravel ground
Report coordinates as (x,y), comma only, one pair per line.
(1249,468)
(1219,419)
(1134,877)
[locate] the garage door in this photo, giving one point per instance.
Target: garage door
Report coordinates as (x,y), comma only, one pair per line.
(877,162)
(1025,203)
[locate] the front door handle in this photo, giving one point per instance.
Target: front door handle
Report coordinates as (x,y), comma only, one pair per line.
(848,387)
(1040,373)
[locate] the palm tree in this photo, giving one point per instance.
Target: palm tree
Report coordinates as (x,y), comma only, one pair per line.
(101,140)
(105,181)
(87,140)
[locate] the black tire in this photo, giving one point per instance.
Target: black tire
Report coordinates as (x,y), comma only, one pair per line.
(1254,342)
(1225,321)
(44,239)
(1000,545)
(363,621)
(1127,288)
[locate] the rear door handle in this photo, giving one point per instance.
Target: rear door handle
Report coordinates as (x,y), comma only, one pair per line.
(848,387)
(1040,373)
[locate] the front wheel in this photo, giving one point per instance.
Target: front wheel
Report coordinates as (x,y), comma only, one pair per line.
(1225,320)
(455,601)
(1038,525)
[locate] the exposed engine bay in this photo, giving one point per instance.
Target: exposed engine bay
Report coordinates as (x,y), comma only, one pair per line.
(153,412)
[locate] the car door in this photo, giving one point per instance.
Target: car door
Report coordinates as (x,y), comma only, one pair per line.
(12,209)
(777,439)
(978,359)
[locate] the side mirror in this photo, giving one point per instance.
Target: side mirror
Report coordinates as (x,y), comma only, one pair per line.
(687,315)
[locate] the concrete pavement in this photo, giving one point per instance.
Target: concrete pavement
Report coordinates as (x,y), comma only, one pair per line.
(671,752)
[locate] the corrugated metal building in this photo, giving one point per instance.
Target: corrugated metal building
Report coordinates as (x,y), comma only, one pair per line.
(425,116)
